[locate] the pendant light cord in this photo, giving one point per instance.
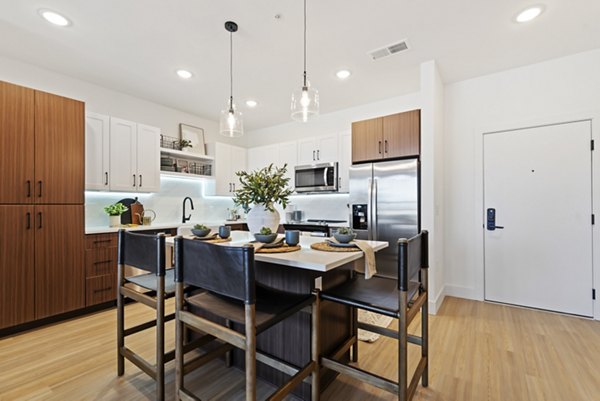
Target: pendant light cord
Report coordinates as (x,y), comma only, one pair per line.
(305,44)
(231,72)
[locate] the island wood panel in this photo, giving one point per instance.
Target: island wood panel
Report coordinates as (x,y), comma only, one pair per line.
(401,134)
(16,265)
(367,140)
(59,149)
(16,143)
(59,259)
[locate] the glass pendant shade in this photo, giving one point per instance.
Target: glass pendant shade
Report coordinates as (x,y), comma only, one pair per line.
(231,123)
(305,104)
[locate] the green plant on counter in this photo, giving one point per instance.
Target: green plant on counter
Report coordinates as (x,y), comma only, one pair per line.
(265,187)
(115,210)
(183,143)
(345,231)
(200,227)
(265,231)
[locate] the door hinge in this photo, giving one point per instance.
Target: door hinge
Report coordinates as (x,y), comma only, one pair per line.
(592,144)
(593,293)
(593,219)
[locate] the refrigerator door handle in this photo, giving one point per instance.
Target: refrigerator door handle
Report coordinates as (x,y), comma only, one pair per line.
(374,210)
(370,210)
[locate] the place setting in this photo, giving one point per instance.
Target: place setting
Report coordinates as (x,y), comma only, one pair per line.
(341,241)
(267,241)
(203,233)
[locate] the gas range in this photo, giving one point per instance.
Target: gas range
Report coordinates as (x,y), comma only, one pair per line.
(314,226)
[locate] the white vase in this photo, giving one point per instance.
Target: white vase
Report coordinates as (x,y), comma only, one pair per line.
(114,221)
(259,217)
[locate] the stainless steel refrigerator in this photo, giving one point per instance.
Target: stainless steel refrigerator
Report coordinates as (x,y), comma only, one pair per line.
(385,206)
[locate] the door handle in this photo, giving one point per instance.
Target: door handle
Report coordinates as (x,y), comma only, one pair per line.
(491,220)
(313,155)
(229,187)
(234,187)
(39,220)
(39,189)
(386,146)
(379,147)
(140,180)
(28,220)
(134,180)
(28,188)
(106,178)
(318,156)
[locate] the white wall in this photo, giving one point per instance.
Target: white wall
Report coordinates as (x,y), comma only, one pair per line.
(553,91)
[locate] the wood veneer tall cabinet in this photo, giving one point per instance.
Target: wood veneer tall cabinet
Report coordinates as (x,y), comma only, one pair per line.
(389,137)
(41,204)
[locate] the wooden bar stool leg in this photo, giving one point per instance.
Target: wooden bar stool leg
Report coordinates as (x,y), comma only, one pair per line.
(120,323)
(402,348)
(316,348)
(355,334)
(425,331)
(228,353)
(160,339)
(250,352)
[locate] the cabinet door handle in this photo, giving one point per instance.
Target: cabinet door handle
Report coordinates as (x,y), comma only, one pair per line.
(318,156)
(28,188)
(100,241)
(379,147)
(313,155)
(386,146)
(103,289)
(229,187)
(39,189)
(234,187)
(106,178)
(28,220)
(39,219)
(103,261)
(140,180)
(134,178)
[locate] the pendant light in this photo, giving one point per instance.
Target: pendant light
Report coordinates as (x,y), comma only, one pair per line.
(231,122)
(305,101)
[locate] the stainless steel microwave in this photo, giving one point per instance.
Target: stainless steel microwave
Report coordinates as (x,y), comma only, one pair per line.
(322,177)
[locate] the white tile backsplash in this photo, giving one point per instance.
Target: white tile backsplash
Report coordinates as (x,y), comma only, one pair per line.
(207,209)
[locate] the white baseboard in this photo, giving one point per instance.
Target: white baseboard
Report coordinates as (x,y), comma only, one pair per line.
(460,291)
(436,303)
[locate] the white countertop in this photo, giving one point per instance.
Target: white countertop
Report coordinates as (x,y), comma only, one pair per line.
(305,258)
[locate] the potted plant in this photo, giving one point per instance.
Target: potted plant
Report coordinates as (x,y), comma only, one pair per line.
(114,213)
(260,190)
(183,144)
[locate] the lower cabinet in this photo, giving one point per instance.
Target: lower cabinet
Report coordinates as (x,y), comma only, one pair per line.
(100,268)
(41,263)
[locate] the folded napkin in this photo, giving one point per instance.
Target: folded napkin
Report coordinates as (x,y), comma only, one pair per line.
(370,268)
(257,245)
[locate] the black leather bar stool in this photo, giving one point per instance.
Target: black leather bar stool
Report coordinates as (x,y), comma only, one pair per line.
(400,299)
(146,252)
(227,275)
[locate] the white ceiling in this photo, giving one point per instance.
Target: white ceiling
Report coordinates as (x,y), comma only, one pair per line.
(135,46)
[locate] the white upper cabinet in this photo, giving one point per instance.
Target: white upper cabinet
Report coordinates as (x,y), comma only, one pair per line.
(97,130)
(121,155)
(345,160)
(262,156)
(319,149)
(288,154)
(148,158)
(228,160)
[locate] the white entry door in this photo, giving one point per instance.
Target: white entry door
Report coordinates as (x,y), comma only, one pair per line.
(538,181)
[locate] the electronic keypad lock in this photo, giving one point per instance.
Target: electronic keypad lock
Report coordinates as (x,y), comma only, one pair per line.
(491,220)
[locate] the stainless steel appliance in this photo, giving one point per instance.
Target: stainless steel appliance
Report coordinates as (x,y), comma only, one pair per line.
(385,206)
(313,227)
(322,177)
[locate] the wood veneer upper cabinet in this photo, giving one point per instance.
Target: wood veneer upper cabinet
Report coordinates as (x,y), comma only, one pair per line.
(366,140)
(389,137)
(16,143)
(401,134)
(16,265)
(59,149)
(59,259)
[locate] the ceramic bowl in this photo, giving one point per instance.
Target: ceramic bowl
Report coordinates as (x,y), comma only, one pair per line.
(266,238)
(200,233)
(344,238)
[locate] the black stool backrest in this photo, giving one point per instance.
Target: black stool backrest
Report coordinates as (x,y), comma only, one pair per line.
(146,252)
(413,254)
(225,270)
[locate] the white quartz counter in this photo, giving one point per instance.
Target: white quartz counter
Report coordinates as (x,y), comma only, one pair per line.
(305,258)
(105,229)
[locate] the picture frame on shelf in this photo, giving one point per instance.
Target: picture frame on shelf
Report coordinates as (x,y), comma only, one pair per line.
(196,136)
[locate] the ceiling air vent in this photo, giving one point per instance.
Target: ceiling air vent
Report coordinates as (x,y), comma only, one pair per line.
(389,50)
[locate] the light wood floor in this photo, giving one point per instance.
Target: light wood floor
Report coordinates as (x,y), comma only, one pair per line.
(479,351)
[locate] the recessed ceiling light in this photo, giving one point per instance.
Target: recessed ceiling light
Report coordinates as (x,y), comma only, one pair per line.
(343,74)
(184,74)
(251,103)
(529,13)
(54,18)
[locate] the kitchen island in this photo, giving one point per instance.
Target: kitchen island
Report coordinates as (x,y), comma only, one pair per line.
(301,272)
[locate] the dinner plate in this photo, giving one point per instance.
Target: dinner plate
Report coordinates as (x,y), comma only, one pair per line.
(275,244)
(208,237)
(340,245)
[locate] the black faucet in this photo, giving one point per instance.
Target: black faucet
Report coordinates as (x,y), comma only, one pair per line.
(183,218)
